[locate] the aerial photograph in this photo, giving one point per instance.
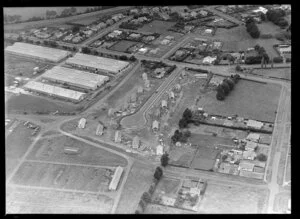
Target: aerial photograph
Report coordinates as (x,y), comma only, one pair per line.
(157,109)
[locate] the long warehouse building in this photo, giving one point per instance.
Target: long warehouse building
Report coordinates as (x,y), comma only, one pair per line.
(75,77)
(97,63)
(116,179)
(39,52)
(54,90)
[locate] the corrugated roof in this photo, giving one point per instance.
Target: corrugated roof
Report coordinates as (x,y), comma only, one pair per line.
(116,178)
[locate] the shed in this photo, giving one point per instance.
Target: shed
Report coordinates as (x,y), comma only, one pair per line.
(82,123)
(250,155)
(136,142)
(164,104)
(99,130)
(171,95)
(118,136)
(254,124)
(159,150)
(253,137)
(140,89)
(116,178)
(250,145)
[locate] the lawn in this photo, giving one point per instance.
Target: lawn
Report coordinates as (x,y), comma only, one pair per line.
(182,156)
(249,99)
(45,201)
(31,104)
(204,158)
(51,149)
(283,73)
(167,186)
(138,181)
(209,140)
(156,26)
(122,46)
(230,199)
(21,66)
(268,28)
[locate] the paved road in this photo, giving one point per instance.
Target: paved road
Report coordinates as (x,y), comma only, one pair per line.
(138,119)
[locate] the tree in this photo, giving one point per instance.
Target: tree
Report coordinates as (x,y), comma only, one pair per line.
(183,123)
(225,87)
(220,96)
(50,14)
(187,114)
(230,82)
(164,160)
(20,39)
(238,68)
(146,197)
(263,17)
(73,10)
(86,50)
(262,157)
(123,57)
(75,29)
(158,173)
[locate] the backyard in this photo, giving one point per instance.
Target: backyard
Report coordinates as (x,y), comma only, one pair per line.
(249,99)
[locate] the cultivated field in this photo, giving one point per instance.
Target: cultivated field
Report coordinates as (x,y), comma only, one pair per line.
(52,149)
(16,145)
(233,199)
(138,181)
(156,26)
(42,201)
(122,46)
(31,104)
(248,99)
(63,176)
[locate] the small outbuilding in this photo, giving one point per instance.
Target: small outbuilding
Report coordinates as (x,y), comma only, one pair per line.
(82,123)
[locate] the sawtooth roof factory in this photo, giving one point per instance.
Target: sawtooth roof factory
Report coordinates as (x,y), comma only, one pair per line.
(97,63)
(54,91)
(75,77)
(39,52)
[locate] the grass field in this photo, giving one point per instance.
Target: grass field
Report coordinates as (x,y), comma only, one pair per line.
(138,181)
(29,200)
(168,187)
(268,28)
(248,99)
(160,209)
(182,156)
(230,199)
(16,145)
(156,26)
(19,66)
(122,46)
(204,158)
(284,73)
(281,202)
(52,150)
(32,104)
(85,21)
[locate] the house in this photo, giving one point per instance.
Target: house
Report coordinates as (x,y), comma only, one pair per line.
(246,166)
(194,14)
(135,35)
(101,25)
(261,9)
(149,38)
(254,124)
(171,95)
(209,60)
(82,123)
(169,37)
(225,167)
(99,130)
(177,87)
(134,11)
(145,76)
(250,146)
(159,150)
(155,125)
(253,137)
(111,112)
(118,137)
(165,42)
(164,104)
(142,19)
(147,83)
(136,142)
(249,155)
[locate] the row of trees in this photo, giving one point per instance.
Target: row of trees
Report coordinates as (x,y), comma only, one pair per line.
(226,86)
(252,28)
(261,56)
(12,18)
(276,16)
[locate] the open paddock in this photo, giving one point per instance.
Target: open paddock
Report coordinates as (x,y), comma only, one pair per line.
(63,176)
(204,158)
(52,149)
(160,209)
(157,26)
(85,21)
(167,186)
(43,201)
(249,99)
(182,157)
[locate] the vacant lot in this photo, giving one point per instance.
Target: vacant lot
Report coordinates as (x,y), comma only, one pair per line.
(49,201)
(204,158)
(122,46)
(63,176)
(268,28)
(16,145)
(168,187)
(31,104)
(53,150)
(183,157)
(21,66)
(156,26)
(248,99)
(138,181)
(282,73)
(228,199)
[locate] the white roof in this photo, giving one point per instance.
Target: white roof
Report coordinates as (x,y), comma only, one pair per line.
(209,59)
(251,145)
(159,150)
(253,136)
(76,77)
(106,64)
(116,178)
(50,54)
(155,124)
(254,124)
(54,90)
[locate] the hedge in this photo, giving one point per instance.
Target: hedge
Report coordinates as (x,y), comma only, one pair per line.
(278,59)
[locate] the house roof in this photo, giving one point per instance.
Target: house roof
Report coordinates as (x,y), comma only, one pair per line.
(254,124)
(164,103)
(159,150)
(155,124)
(135,142)
(253,136)
(251,144)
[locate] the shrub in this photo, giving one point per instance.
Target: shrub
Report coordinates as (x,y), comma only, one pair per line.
(238,68)
(266,36)
(278,59)
(262,157)
(225,87)
(164,160)
(158,173)
(220,96)
(288,59)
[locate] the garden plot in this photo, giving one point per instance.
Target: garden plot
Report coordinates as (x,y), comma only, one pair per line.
(63,176)
(52,149)
(156,26)
(230,199)
(249,99)
(32,201)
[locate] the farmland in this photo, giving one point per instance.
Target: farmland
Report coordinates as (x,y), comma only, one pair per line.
(248,99)
(52,150)
(233,199)
(32,200)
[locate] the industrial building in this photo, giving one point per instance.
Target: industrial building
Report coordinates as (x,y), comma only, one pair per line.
(116,179)
(97,63)
(39,52)
(75,77)
(54,90)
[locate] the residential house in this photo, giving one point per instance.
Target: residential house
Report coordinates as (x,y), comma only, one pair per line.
(254,124)
(118,136)
(145,76)
(224,167)
(250,145)
(165,42)
(149,38)
(177,87)
(136,142)
(194,14)
(134,11)
(99,130)
(169,37)
(171,95)
(164,104)
(159,150)
(135,35)
(253,137)
(249,155)
(101,25)
(82,123)
(209,60)
(155,125)
(159,72)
